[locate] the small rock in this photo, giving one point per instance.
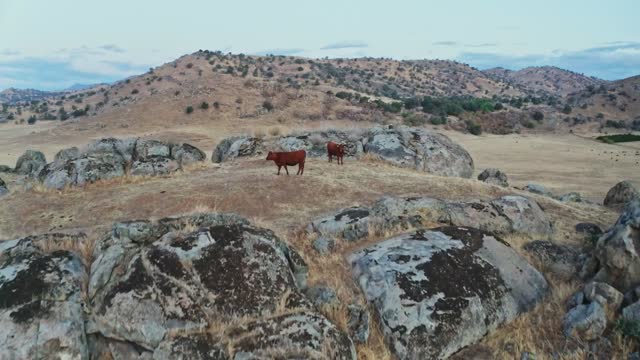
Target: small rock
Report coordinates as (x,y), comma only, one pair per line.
(575,300)
(3,188)
(358,323)
(537,189)
(527,356)
(634,356)
(321,295)
(588,229)
(323,245)
(586,322)
(571,197)
(494,176)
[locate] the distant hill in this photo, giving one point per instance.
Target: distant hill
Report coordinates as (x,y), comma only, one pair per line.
(77,87)
(210,86)
(548,80)
(13,96)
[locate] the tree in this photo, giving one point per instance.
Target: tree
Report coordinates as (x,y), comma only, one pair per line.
(267,105)
(32,120)
(189,109)
(474,127)
(204,105)
(567,109)
(537,115)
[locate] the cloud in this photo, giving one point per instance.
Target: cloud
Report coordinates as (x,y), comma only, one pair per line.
(55,74)
(611,62)
(445,43)
(9,52)
(345,45)
(112,48)
(279,52)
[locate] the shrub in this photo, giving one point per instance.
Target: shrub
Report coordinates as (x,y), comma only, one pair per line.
(628,328)
(474,128)
(134,91)
(567,109)
(498,106)
(189,65)
(414,120)
(216,105)
(32,120)
(439,120)
(189,109)
(300,68)
(537,115)
(530,124)
(204,105)
(267,105)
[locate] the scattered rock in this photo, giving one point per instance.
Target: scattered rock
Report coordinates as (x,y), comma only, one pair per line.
(632,312)
(537,189)
(420,149)
(586,322)
(589,229)
(437,291)
(562,261)
(617,252)
(571,197)
(186,154)
(323,245)
(321,295)
(234,147)
(65,155)
(621,194)
(3,188)
(41,312)
(604,294)
(358,323)
(494,176)
(30,163)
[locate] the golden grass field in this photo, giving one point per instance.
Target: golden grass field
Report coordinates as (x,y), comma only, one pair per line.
(286,204)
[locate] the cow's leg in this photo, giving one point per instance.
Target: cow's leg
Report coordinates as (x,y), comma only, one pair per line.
(330,158)
(301,168)
(285,169)
(279,169)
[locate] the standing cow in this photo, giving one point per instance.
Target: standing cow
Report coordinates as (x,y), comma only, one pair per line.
(290,158)
(336,150)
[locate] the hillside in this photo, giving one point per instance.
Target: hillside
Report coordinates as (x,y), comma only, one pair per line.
(13,96)
(547,80)
(208,86)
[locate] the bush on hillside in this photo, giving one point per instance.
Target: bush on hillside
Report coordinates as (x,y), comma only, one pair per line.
(189,109)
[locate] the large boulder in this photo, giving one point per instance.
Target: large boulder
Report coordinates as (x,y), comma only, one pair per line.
(437,291)
(621,194)
(617,251)
(84,170)
(30,163)
(198,274)
(41,302)
(350,224)
(420,149)
(494,176)
(123,147)
(153,157)
(237,146)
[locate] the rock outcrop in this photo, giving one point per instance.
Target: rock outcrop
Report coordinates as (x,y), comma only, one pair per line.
(437,291)
(201,272)
(621,194)
(417,148)
(617,250)
(505,215)
(494,176)
(30,163)
(112,158)
(41,304)
(561,260)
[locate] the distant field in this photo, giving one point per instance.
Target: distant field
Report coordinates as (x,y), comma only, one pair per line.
(619,138)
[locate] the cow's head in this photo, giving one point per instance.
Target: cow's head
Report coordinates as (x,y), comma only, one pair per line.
(271,156)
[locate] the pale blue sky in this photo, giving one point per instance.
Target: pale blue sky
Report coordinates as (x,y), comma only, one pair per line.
(50,44)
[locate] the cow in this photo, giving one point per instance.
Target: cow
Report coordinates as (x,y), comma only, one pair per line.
(336,150)
(290,158)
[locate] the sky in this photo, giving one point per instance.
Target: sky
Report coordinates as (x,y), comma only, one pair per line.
(52,45)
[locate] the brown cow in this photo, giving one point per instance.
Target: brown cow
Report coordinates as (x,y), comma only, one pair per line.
(290,158)
(336,150)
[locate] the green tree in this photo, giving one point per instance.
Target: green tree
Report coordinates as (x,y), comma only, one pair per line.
(189,109)
(537,115)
